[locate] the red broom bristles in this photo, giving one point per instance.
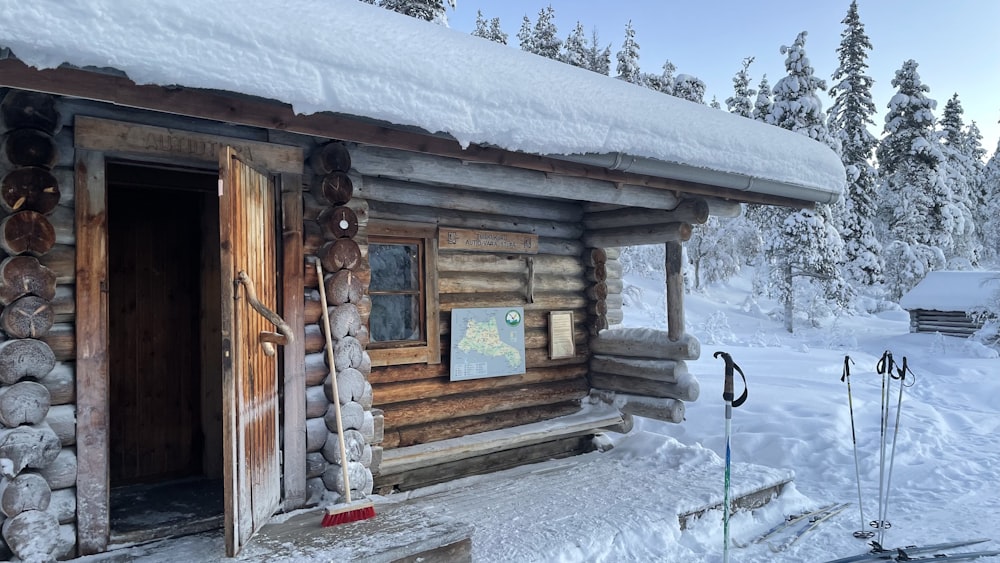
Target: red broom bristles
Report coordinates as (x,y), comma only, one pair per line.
(349,513)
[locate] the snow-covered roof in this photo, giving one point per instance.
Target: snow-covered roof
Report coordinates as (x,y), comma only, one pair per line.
(352,58)
(952,291)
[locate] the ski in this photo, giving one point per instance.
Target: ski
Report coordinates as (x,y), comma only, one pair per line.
(788,522)
(889,554)
(813,523)
(949,556)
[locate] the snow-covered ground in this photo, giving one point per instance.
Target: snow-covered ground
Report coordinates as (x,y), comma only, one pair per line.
(797,416)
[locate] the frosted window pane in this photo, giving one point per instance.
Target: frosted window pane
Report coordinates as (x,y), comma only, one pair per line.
(395,317)
(395,267)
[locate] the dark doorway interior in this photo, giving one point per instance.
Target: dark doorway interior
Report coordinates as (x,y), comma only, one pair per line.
(165,379)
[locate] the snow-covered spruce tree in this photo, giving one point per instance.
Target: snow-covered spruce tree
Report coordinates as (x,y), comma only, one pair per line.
(429,10)
(628,57)
(789,266)
(990,230)
(489,30)
(850,115)
(574,49)
(803,250)
(598,60)
(914,202)
(545,34)
(690,88)
(663,83)
(525,38)
(742,100)
(762,103)
(963,157)
(718,249)
(714,104)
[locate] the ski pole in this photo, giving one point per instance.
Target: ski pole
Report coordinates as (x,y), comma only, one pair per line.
(901,376)
(861,533)
(727,396)
(883,367)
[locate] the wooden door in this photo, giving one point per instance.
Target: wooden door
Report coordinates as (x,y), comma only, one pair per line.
(247,212)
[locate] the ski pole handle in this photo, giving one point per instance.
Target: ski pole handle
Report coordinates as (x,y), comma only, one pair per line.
(727,389)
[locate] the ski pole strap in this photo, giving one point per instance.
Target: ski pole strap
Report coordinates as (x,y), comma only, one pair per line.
(727,391)
(902,371)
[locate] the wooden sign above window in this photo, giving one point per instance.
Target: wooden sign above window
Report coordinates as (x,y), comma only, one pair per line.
(487,241)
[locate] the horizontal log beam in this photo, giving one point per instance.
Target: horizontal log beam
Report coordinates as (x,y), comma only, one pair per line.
(686,389)
(390,393)
(376,189)
(640,234)
(645,343)
(687,211)
(446,429)
(503,179)
(657,408)
(548,226)
(480,403)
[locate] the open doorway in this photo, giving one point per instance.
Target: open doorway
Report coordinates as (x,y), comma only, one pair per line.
(164,350)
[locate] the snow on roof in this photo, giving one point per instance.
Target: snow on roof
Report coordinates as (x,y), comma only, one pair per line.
(352,58)
(952,291)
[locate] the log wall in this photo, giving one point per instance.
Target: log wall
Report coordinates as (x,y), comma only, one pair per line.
(333,223)
(37,427)
(420,403)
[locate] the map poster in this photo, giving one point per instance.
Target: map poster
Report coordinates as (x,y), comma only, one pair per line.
(487,342)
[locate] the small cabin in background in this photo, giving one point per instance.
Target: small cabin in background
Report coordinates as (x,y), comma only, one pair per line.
(161,238)
(944,301)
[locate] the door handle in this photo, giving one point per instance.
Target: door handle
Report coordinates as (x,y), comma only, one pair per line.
(266,339)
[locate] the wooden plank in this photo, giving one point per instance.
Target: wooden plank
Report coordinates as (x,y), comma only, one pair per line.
(248,110)
(93,525)
(124,138)
(293,273)
(674,267)
(475,240)
(593,418)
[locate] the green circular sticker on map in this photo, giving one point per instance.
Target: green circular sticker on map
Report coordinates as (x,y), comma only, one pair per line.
(513,318)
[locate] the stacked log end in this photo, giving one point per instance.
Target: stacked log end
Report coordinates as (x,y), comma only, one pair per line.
(643,372)
(335,224)
(36,421)
(604,276)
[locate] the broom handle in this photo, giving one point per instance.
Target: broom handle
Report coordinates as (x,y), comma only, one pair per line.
(333,381)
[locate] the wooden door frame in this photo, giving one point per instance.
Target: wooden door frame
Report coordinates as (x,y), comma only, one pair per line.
(96,140)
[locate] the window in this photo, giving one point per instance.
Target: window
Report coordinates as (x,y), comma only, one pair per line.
(403,325)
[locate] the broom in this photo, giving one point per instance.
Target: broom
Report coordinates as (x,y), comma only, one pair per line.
(348,511)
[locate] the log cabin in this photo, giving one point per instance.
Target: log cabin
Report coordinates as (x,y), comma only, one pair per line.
(166,212)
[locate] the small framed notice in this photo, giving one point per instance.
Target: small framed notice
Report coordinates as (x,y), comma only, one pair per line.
(561,343)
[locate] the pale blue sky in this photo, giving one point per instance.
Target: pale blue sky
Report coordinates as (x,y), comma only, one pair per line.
(955,42)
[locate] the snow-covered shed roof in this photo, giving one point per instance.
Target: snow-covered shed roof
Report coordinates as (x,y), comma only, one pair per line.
(952,291)
(354,59)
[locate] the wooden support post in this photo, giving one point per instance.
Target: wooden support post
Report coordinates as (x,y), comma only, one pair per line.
(675,291)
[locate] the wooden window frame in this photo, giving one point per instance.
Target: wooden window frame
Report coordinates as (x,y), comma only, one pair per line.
(430,351)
